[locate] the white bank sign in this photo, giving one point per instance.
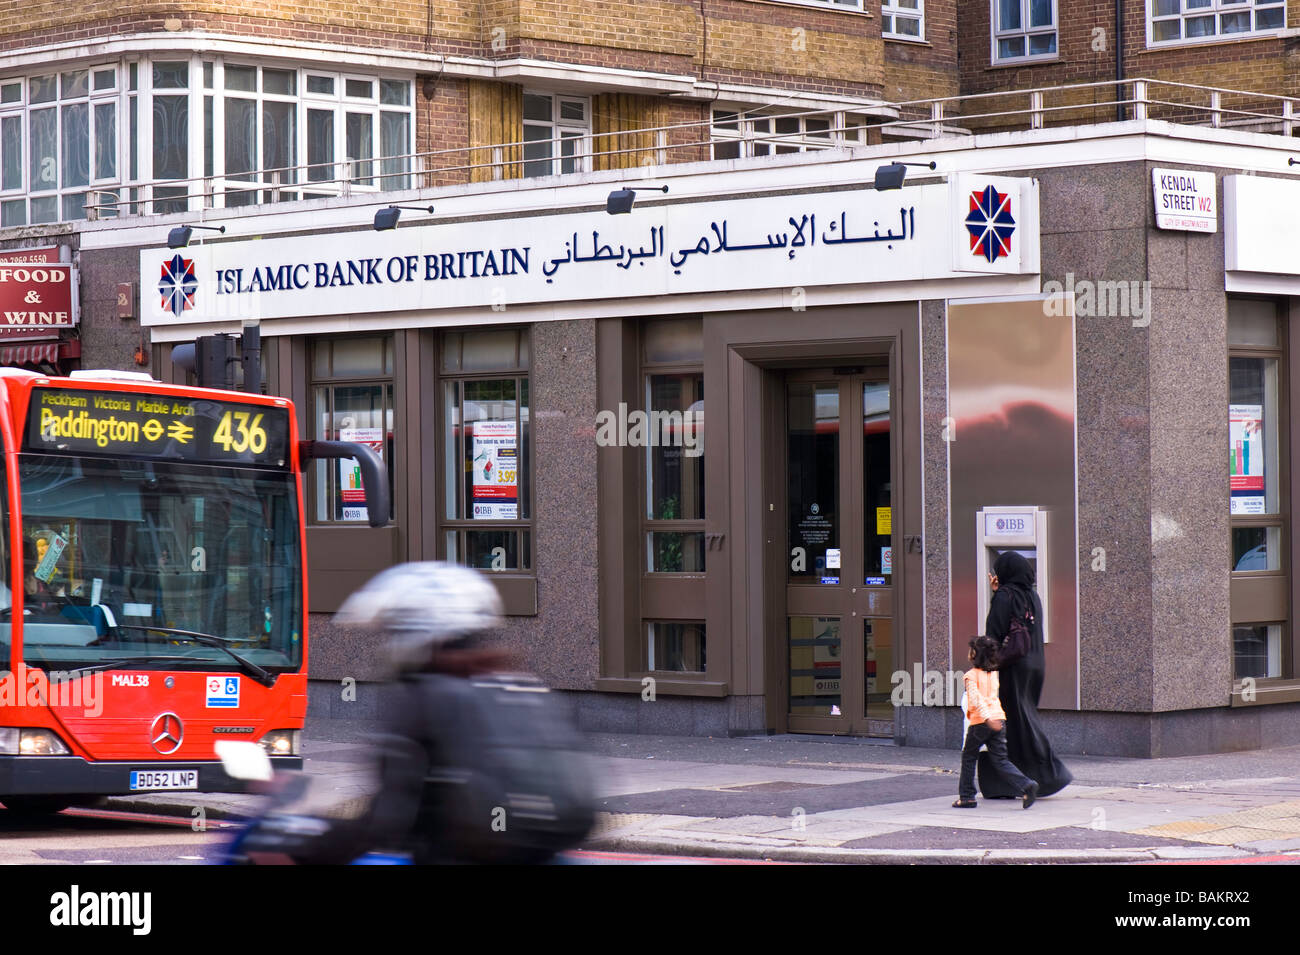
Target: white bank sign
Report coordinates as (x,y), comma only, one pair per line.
(970,225)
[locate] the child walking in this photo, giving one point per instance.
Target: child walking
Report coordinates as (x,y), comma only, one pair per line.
(987,725)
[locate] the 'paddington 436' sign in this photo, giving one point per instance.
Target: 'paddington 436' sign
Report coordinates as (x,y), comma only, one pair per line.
(71,421)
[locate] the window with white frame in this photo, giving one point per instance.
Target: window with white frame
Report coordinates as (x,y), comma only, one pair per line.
(1180,20)
(903,19)
(1024,30)
(124,129)
(58,137)
(557,131)
(739,134)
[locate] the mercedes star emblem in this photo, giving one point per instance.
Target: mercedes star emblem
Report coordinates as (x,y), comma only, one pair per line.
(166,733)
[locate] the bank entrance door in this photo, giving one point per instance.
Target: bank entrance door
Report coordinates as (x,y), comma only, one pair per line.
(839,595)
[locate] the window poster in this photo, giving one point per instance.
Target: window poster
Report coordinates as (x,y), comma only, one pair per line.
(495,466)
(826,657)
(1246,458)
(351,488)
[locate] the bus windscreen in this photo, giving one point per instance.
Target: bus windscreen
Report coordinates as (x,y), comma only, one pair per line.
(114,548)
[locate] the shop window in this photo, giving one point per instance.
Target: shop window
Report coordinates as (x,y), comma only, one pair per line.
(675,647)
(672,433)
(352,395)
(1257,651)
(903,19)
(674,436)
(1176,21)
(557,134)
(760,132)
(1024,30)
(665,431)
(487,514)
(1257,499)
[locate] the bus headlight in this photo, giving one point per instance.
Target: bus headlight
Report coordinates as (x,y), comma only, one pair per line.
(281,742)
(31,742)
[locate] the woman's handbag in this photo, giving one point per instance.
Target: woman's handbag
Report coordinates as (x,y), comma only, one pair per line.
(1017,642)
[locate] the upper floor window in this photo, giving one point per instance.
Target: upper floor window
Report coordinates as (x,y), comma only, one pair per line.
(903,19)
(1180,20)
(66,124)
(1024,30)
(557,133)
(756,133)
(176,134)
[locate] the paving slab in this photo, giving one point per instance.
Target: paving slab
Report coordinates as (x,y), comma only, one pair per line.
(868,803)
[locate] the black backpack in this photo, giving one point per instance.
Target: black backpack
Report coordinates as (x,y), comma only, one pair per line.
(508,780)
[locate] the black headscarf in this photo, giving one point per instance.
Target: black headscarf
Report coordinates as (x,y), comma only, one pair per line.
(1016,576)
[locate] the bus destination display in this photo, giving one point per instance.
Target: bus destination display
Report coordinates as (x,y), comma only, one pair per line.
(71,421)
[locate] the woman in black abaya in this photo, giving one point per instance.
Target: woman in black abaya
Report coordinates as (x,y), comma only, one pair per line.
(1020,683)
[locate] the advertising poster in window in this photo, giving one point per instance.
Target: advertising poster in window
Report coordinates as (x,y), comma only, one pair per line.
(1246,458)
(351,489)
(496,471)
(826,657)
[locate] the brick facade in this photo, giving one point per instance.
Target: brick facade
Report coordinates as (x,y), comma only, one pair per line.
(789,49)
(1087,46)
(927,69)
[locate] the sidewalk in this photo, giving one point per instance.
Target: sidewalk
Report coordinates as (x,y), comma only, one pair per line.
(813,799)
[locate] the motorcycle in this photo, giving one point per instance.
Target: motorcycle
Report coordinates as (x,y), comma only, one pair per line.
(279,835)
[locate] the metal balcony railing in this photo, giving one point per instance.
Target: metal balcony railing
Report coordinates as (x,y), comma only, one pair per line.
(929,119)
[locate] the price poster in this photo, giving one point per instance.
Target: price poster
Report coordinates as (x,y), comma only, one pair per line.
(351,488)
(495,466)
(1246,458)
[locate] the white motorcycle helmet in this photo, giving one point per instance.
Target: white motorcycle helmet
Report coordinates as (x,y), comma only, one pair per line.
(422,606)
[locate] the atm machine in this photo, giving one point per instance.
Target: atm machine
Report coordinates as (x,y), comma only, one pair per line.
(1022,529)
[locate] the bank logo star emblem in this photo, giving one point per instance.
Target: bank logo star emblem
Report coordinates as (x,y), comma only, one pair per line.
(990,223)
(178,284)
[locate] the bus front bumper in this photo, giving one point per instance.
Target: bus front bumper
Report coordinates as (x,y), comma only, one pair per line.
(42,775)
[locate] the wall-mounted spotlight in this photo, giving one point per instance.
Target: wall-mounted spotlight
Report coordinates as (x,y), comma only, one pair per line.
(620,200)
(386,219)
(179,237)
(892,175)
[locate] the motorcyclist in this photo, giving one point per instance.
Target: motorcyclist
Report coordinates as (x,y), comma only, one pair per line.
(434,615)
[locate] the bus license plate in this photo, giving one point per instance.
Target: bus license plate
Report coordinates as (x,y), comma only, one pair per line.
(164,779)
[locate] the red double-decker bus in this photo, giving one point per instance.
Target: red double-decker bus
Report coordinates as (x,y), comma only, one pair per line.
(154,590)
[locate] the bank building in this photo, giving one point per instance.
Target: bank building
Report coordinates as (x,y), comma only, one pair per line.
(731,339)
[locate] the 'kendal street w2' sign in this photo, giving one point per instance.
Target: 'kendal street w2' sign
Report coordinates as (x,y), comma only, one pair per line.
(970,225)
(37,295)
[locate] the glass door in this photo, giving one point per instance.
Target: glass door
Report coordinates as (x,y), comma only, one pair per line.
(839,535)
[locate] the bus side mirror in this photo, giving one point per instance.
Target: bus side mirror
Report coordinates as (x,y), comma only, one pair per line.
(373,476)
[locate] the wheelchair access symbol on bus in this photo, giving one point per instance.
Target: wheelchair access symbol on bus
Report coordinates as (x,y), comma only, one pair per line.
(223,691)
